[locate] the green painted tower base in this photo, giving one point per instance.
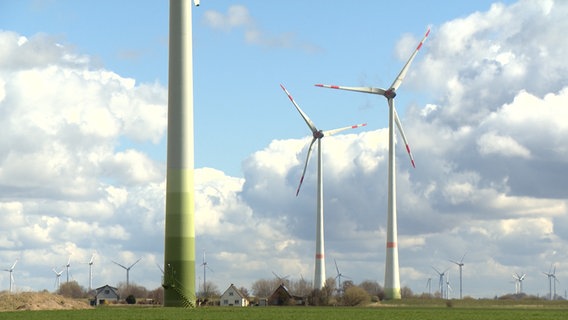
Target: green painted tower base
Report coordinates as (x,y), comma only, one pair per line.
(392,294)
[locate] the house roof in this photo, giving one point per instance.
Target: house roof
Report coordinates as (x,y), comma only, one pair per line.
(106,286)
(232,286)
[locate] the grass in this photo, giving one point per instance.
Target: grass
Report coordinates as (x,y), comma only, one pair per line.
(406,309)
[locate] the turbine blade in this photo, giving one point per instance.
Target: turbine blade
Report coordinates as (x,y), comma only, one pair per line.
(336,268)
(398,81)
(118,264)
(132,265)
(305,166)
(305,116)
(399,125)
(378,91)
(461,260)
(334,131)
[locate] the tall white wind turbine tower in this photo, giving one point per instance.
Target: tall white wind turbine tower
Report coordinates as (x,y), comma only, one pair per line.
(179,243)
(392,278)
(127,270)
(11,271)
(460,264)
(319,278)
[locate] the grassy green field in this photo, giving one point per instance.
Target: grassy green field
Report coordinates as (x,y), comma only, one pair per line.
(479,310)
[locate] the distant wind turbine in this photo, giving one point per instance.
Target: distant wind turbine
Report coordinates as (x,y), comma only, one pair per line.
(58,278)
(91,272)
(205,267)
(392,277)
(551,278)
(460,264)
(127,270)
(282,280)
(11,270)
(319,278)
(67,266)
(519,282)
(338,277)
(448,286)
(441,281)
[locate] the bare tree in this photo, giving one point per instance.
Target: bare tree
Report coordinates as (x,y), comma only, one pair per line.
(132,289)
(373,288)
(245,292)
(211,291)
(72,289)
(406,292)
(157,295)
(263,288)
(301,288)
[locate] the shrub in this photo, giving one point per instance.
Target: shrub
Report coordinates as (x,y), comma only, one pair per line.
(354,296)
(131,299)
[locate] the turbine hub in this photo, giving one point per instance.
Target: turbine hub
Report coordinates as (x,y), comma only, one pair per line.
(390,93)
(318,134)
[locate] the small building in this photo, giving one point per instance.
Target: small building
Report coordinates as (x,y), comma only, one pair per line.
(282,297)
(106,294)
(233,297)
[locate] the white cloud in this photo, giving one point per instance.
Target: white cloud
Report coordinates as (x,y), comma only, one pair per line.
(494,144)
(238,17)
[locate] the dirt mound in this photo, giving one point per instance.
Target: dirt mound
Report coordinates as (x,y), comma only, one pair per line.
(39,301)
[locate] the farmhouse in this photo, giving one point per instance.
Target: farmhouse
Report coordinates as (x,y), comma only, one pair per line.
(106,294)
(282,296)
(233,297)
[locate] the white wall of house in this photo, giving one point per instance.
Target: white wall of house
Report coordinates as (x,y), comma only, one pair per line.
(232,297)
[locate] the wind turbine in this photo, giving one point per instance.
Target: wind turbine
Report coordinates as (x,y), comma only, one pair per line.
(460,264)
(127,270)
(338,277)
(429,286)
(282,280)
(11,270)
(319,278)
(441,281)
(91,272)
(551,275)
(448,286)
(392,277)
(205,267)
(58,277)
(67,266)
(519,279)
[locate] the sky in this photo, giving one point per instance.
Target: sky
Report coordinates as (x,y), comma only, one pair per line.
(83,107)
